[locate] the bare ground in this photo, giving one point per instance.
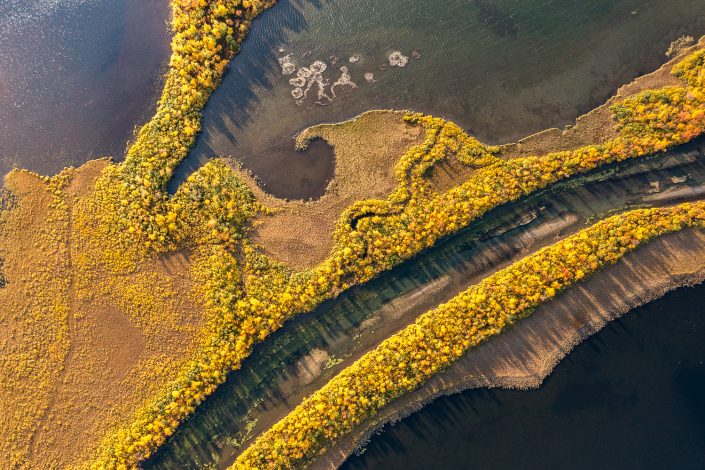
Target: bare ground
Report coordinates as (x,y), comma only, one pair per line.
(81,353)
(366,152)
(367,149)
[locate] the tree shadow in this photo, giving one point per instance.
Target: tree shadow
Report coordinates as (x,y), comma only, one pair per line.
(291,174)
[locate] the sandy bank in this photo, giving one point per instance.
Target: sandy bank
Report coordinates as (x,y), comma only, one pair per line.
(523,356)
(367,149)
(270,384)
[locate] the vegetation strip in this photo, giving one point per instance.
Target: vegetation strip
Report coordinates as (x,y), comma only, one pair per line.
(247,294)
(407,359)
(129,220)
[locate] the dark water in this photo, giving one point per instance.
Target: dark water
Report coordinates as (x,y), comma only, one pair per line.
(77,77)
(500,68)
(305,175)
(269,382)
(632,396)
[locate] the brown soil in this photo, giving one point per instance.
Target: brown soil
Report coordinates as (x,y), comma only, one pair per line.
(367,149)
(82,345)
(525,355)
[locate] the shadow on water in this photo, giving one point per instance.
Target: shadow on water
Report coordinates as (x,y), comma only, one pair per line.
(629,397)
(270,380)
(502,69)
(279,168)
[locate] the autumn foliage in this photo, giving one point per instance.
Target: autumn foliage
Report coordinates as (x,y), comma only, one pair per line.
(247,294)
(439,337)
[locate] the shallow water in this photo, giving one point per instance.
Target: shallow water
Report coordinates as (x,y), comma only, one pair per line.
(76,78)
(500,68)
(632,396)
(273,379)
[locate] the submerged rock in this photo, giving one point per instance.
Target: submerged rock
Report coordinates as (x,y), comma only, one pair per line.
(344,79)
(318,67)
(397,59)
(287,64)
(297,82)
(312,77)
(304,72)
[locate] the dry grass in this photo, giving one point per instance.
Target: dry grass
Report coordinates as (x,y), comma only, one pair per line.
(594,127)
(523,356)
(82,347)
(84,344)
(367,149)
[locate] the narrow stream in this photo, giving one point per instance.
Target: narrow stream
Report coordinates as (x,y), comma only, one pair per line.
(310,349)
(632,396)
(78,76)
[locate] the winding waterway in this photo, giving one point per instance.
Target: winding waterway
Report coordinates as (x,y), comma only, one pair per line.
(77,76)
(303,355)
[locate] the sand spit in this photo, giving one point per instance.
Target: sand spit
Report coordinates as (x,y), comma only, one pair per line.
(525,355)
(366,151)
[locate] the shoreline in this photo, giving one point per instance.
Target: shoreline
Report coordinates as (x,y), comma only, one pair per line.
(600,78)
(111,234)
(683,267)
(523,230)
(298,233)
